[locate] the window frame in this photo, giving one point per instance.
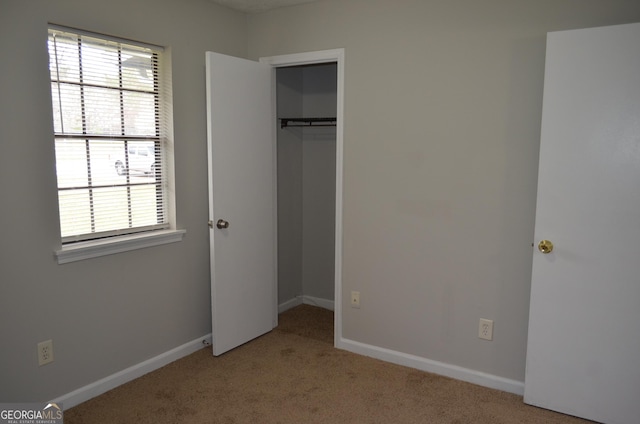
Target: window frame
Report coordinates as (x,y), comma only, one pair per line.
(98,243)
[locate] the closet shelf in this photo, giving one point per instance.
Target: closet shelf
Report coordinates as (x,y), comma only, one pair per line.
(307,122)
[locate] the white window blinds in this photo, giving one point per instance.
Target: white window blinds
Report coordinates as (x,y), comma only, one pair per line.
(108,115)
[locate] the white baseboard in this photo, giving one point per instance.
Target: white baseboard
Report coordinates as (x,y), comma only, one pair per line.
(307,300)
(99,387)
(289,304)
(319,302)
(436,367)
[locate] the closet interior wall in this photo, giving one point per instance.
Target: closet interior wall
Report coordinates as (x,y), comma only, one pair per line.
(306,185)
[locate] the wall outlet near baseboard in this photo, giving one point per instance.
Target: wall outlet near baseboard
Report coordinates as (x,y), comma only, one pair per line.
(45,352)
(485,330)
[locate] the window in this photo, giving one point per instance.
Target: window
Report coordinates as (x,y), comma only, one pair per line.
(110,117)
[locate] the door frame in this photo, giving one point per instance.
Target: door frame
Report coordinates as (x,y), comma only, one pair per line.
(308,58)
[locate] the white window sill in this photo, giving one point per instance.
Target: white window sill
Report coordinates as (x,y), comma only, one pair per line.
(97,248)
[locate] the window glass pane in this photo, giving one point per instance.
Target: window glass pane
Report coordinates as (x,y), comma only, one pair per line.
(102,111)
(143,205)
(138,69)
(107,158)
(139,116)
(71,163)
(75,212)
(142,158)
(100,63)
(67,108)
(111,208)
(64,49)
(55,105)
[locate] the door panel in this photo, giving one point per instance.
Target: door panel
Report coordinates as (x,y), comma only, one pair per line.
(241,192)
(584,325)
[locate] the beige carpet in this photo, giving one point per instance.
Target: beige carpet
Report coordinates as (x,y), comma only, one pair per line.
(294,375)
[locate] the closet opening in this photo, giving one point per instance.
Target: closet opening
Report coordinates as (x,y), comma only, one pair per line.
(306,107)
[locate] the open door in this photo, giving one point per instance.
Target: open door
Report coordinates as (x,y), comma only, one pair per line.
(584,325)
(241,199)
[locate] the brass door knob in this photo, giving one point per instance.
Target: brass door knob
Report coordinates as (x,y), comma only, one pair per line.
(545,246)
(222,224)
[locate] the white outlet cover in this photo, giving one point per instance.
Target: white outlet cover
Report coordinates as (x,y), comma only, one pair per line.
(485,329)
(45,352)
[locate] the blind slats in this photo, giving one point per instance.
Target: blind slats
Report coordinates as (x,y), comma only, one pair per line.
(106,99)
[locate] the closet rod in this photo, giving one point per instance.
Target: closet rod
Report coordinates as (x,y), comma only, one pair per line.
(308,122)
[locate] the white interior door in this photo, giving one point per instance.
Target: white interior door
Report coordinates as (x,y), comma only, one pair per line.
(584,326)
(242,194)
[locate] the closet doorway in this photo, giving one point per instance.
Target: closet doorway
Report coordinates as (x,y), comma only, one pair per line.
(306,175)
(309,105)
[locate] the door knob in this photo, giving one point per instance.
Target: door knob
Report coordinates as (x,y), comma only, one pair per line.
(222,224)
(545,246)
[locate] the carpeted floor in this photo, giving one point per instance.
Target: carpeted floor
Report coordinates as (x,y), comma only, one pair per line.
(294,375)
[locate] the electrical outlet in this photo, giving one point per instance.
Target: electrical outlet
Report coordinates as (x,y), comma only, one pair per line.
(45,352)
(485,330)
(355,299)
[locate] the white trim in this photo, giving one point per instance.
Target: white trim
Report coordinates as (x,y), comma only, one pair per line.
(289,304)
(307,58)
(307,300)
(101,386)
(95,248)
(328,56)
(436,367)
(319,302)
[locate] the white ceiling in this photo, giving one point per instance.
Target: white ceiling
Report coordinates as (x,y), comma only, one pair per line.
(256,6)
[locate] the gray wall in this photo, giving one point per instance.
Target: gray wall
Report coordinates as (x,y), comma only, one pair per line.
(442,123)
(109,313)
(289,94)
(306,184)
